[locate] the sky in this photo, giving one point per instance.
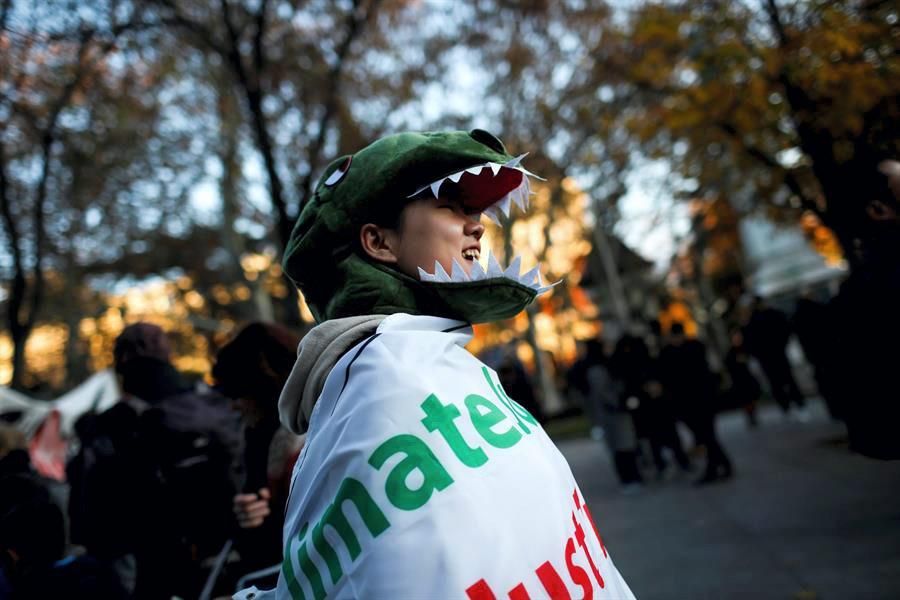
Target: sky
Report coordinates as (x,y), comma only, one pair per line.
(652,222)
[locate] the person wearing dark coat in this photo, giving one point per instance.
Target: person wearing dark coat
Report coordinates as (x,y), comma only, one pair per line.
(651,409)
(745,389)
(686,376)
(251,370)
(153,472)
(604,401)
(33,559)
(865,323)
(766,335)
(812,323)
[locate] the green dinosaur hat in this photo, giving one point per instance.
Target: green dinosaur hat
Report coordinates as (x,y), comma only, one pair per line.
(323,257)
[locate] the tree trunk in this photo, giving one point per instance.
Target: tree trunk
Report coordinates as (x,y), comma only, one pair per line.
(611,274)
(18,285)
(19,338)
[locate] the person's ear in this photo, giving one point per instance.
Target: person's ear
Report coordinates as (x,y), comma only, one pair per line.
(378,242)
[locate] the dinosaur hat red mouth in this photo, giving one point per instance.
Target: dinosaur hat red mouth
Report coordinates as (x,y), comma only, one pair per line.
(490,187)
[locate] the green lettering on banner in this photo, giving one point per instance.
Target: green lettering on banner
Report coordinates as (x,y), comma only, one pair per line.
(419,457)
(485,422)
(287,567)
(311,571)
(514,407)
(439,417)
(353,491)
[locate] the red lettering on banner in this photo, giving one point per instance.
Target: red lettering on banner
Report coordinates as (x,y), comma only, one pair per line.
(596,531)
(587,511)
(547,573)
(552,582)
(480,590)
(579,576)
(579,536)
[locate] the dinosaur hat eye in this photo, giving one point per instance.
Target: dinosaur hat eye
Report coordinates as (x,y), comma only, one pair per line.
(339,173)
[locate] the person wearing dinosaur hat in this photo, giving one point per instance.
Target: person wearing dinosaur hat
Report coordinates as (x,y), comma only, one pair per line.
(421,477)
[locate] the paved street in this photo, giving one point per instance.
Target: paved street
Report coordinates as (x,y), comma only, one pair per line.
(803,519)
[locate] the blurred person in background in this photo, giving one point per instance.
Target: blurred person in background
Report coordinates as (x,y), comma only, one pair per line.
(651,412)
(811,323)
(628,364)
(604,399)
(34,536)
(33,559)
(686,376)
(14,459)
(152,480)
(519,384)
(745,389)
(658,413)
(766,334)
(865,322)
(251,369)
(110,476)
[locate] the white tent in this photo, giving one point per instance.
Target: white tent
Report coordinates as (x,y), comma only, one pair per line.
(780,260)
(98,392)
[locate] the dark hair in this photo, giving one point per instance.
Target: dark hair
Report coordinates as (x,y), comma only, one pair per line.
(141,340)
(256,362)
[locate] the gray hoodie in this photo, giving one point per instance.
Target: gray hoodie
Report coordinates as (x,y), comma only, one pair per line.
(317,354)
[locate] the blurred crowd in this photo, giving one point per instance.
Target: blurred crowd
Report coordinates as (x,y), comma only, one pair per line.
(638,388)
(176,490)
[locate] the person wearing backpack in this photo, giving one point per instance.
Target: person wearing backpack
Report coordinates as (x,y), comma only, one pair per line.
(110,476)
(154,472)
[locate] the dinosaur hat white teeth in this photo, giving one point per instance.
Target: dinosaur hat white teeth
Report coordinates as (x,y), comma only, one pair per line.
(478,273)
(457,273)
(491,187)
(531,278)
(440,274)
(490,214)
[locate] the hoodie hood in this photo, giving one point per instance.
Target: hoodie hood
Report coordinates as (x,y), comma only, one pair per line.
(317,354)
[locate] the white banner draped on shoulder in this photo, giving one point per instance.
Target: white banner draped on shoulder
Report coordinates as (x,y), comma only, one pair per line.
(421,478)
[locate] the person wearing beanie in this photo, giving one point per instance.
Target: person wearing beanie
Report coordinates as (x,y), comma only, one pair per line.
(421,477)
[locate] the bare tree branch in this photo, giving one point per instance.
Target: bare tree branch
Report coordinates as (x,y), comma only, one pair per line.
(4,13)
(774,14)
(356,19)
(259,57)
(202,33)
(20,320)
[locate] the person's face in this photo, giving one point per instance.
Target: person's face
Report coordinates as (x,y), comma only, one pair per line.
(429,230)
